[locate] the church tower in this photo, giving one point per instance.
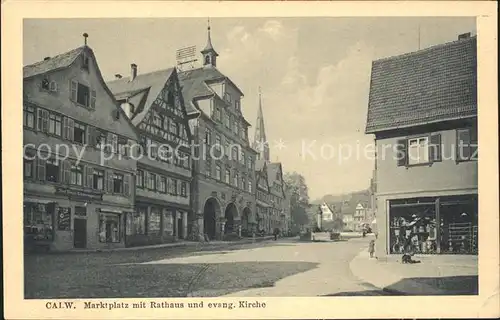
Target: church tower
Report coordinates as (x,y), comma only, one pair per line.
(260,142)
(209,53)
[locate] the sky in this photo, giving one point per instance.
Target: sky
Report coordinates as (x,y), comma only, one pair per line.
(314,74)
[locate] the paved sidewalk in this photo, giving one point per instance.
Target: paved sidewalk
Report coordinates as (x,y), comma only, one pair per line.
(180,243)
(434,275)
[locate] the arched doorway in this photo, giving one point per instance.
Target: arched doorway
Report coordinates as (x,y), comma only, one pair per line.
(245,220)
(230,214)
(210,213)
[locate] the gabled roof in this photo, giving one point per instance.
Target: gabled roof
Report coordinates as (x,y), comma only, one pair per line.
(150,84)
(194,84)
(59,61)
(65,60)
(273,168)
(431,85)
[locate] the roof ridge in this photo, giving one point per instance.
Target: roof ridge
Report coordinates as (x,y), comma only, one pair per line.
(56,56)
(142,75)
(426,50)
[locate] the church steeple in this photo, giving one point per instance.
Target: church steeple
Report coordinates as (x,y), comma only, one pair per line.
(260,142)
(209,53)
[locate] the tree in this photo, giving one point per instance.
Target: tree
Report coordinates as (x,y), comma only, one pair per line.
(299,198)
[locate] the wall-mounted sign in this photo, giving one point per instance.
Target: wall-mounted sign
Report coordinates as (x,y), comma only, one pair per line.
(79,194)
(64,219)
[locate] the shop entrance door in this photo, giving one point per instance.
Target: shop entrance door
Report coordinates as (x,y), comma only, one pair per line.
(80,233)
(179,228)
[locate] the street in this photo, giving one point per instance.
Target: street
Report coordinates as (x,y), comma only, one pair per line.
(285,267)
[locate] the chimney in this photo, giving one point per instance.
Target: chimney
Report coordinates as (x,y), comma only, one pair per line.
(118,76)
(464,36)
(46,58)
(133,69)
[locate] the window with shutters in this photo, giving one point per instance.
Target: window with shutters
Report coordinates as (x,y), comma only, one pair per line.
(184,189)
(151,181)
(79,130)
(98,179)
(100,139)
(418,150)
(234,154)
(29,116)
(117,183)
(467,144)
(76,175)
(82,94)
(227,177)
(55,124)
(29,168)
(163,185)
(218,115)
(122,146)
(52,170)
(139,182)
(173,187)
(227,121)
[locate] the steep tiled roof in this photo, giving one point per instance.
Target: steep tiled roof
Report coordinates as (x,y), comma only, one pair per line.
(194,85)
(431,85)
(62,60)
(150,84)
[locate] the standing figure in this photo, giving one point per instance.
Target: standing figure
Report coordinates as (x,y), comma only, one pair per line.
(371,248)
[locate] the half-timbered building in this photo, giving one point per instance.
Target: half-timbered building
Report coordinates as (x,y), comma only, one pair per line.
(154,103)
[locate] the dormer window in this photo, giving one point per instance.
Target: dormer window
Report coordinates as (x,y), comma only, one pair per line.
(207,59)
(227,97)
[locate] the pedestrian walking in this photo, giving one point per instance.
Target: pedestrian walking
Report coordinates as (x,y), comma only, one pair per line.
(276,232)
(371,248)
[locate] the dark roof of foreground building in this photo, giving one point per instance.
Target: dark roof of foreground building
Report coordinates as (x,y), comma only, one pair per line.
(194,85)
(59,61)
(431,85)
(142,91)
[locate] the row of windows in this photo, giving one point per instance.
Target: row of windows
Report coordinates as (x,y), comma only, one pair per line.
(230,149)
(230,121)
(233,179)
(166,125)
(144,222)
(69,172)
(427,149)
(162,152)
(66,128)
(162,184)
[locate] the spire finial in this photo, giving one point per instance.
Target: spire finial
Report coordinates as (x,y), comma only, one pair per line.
(85,36)
(208,22)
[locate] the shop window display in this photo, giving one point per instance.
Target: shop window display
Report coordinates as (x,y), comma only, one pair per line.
(154,221)
(39,221)
(109,228)
(459,224)
(413,228)
(416,227)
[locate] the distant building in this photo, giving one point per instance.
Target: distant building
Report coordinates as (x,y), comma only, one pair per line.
(423,113)
(327,213)
(69,203)
(277,213)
